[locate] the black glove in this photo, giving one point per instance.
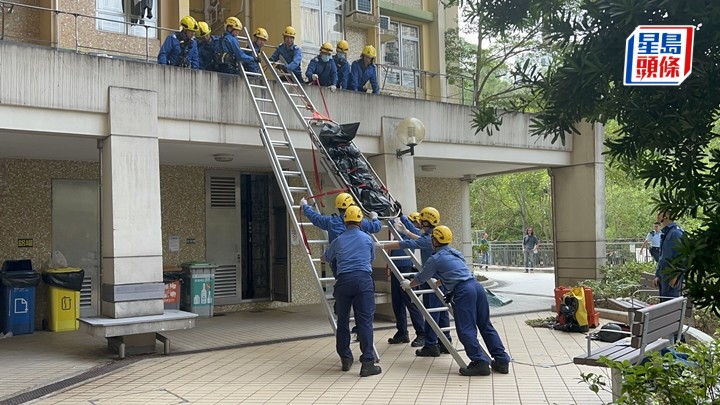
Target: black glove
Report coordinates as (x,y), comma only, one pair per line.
(397,207)
(282,67)
(448,298)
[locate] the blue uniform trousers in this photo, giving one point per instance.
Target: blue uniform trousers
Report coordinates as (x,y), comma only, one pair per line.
(472,313)
(441,318)
(355,289)
(400,301)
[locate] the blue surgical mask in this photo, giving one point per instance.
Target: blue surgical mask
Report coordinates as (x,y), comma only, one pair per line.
(341,55)
(325,58)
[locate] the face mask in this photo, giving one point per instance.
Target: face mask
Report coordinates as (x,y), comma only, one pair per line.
(325,58)
(341,55)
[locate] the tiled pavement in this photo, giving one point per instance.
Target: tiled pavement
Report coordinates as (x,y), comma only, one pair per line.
(287,355)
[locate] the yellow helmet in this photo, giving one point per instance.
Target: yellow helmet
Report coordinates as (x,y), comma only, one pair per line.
(353,214)
(343,46)
(326,48)
(369,50)
(415,217)
(261,33)
(430,215)
(234,23)
(204,29)
(344,200)
(189,23)
(442,234)
(289,32)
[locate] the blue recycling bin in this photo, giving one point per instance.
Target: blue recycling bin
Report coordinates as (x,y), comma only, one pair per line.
(17,297)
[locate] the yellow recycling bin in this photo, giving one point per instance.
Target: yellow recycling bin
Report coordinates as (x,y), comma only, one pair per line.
(64,299)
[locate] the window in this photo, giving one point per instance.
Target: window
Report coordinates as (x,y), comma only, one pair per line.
(126,12)
(403,52)
(321,22)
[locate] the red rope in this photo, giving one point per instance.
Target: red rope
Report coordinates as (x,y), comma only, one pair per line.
(327,112)
(318,183)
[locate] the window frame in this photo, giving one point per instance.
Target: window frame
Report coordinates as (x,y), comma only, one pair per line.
(123,25)
(323,7)
(406,76)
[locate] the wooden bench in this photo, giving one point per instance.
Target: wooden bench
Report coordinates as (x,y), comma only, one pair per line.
(652,328)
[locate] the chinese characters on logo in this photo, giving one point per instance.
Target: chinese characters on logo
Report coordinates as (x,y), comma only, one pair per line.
(658,55)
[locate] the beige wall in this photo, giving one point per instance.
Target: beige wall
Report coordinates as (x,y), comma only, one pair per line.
(444,195)
(26,24)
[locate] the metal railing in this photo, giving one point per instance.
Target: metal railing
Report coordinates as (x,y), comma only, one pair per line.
(457,86)
(510,253)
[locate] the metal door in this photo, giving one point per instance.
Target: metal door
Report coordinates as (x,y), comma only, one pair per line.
(223,233)
(76,233)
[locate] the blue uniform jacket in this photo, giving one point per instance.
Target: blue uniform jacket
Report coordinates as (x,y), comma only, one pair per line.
(352,250)
(424,244)
(293,57)
(671,236)
(343,72)
(173,48)
(361,74)
(399,252)
(231,45)
(207,51)
(448,265)
(335,225)
(252,66)
(326,71)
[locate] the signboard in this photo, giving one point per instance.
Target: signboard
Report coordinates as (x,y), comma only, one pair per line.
(25,243)
(658,55)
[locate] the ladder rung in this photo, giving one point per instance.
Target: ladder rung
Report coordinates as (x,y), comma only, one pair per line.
(421,292)
(245,49)
(448,329)
(292,173)
(407,274)
(438,309)
(252,73)
(259,86)
(326,279)
(289,84)
(399,257)
(285,157)
(308,118)
(274,127)
(317,241)
(268,113)
(267,100)
(300,106)
(316,259)
(298,189)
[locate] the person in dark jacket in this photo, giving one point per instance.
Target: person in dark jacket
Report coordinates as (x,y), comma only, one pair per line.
(207,47)
(291,53)
(261,38)
(669,273)
(232,55)
(352,253)
(180,49)
(363,71)
(342,65)
(322,70)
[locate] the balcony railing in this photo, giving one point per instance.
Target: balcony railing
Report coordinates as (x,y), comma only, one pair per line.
(78,32)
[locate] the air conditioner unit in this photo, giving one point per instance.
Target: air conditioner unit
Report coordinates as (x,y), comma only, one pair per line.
(384,22)
(387,33)
(358,6)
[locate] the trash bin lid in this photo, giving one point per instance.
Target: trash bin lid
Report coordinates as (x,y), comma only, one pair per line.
(16,265)
(64,270)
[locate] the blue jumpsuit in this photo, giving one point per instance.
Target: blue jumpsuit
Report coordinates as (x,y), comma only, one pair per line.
(292,56)
(326,71)
(401,299)
(229,44)
(179,50)
(207,51)
(353,251)
(253,66)
(470,304)
(361,74)
(669,242)
(343,72)
(429,300)
(335,225)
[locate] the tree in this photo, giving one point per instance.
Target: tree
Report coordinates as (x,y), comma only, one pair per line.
(666,135)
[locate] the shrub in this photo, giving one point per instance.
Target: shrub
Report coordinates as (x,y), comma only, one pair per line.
(665,379)
(619,280)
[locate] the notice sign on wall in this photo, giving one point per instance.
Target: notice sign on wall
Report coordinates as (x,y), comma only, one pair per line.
(25,243)
(174,244)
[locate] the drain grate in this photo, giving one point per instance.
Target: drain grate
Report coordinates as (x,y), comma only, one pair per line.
(60,385)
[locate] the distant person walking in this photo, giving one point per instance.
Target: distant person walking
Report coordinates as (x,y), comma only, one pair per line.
(485,250)
(653,239)
(530,244)
(668,278)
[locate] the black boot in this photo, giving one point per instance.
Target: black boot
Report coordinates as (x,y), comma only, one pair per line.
(398,339)
(428,351)
(502,368)
(475,368)
(346,363)
(369,368)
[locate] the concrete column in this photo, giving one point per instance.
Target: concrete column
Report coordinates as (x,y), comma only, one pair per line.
(579,209)
(131,223)
(398,174)
(466,233)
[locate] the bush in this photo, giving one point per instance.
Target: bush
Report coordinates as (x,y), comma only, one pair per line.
(619,281)
(666,379)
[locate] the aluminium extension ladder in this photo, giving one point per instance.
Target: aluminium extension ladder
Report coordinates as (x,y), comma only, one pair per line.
(303,106)
(286,165)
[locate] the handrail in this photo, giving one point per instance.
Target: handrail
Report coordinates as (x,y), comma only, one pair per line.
(417,92)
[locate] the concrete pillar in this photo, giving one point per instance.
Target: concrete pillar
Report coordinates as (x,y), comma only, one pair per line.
(579,209)
(466,233)
(132,282)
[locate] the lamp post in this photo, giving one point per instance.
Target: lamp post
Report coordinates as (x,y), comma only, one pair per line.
(410,132)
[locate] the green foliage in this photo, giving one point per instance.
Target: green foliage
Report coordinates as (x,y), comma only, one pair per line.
(667,135)
(665,380)
(505,205)
(619,281)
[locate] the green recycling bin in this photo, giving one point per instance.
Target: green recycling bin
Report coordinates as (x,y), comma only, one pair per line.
(198,291)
